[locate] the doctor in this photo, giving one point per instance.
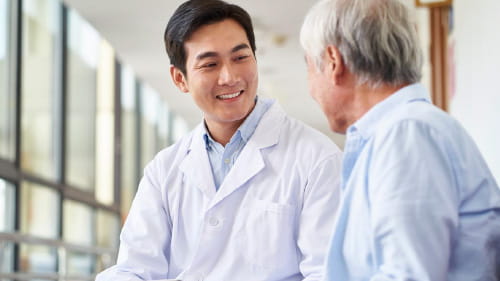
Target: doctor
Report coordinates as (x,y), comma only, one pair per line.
(251,193)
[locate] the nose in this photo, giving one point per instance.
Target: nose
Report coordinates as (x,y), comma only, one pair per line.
(227,75)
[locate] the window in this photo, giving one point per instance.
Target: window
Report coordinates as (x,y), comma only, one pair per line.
(7,101)
(180,128)
(6,257)
(40,90)
(83,58)
(79,229)
(7,206)
(39,218)
(78,225)
(154,124)
(58,215)
(37,259)
(163,132)
(129,139)
(149,122)
(108,229)
(39,211)
(105,125)
(108,232)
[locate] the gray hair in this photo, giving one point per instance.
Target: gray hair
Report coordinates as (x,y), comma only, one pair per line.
(376,38)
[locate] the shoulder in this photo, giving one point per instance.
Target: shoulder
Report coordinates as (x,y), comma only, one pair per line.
(300,133)
(173,154)
(290,133)
(306,144)
(422,132)
(419,122)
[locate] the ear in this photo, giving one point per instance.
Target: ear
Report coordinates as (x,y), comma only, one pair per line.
(334,63)
(179,79)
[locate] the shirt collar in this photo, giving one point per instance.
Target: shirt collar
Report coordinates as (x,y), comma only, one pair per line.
(247,128)
(367,124)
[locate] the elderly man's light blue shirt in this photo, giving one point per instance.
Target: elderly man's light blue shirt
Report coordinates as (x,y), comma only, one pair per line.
(419,201)
(223,158)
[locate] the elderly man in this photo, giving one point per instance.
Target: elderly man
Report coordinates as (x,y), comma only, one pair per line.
(250,193)
(419,202)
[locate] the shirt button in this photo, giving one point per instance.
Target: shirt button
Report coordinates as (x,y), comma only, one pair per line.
(213,221)
(226,161)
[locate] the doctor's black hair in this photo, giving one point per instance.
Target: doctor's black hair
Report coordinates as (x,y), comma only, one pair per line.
(193,14)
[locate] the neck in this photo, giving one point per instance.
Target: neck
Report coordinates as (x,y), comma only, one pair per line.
(367,97)
(222,132)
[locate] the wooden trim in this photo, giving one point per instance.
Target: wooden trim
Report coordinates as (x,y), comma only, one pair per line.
(439,45)
(433,3)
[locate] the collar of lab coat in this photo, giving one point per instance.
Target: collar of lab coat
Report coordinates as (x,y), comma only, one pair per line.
(196,165)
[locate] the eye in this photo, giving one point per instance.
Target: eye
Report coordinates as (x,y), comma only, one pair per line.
(242,57)
(209,65)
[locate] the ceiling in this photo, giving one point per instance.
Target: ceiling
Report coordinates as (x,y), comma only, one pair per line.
(135,29)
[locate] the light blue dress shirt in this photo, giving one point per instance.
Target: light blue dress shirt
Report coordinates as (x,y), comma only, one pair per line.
(419,202)
(223,158)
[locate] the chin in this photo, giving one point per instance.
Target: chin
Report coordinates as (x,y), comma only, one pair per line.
(229,118)
(339,127)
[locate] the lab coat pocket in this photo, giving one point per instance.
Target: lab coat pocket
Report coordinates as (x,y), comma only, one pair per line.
(266,234)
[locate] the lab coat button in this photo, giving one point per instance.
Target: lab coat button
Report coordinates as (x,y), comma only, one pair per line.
(213,221)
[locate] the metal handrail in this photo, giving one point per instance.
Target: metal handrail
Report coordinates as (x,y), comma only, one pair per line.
(62,249)
(29,239)
(44,276)
(30,276)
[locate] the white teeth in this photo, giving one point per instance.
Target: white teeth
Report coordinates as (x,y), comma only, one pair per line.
(229,96)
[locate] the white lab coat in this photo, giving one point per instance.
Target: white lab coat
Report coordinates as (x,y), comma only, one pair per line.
(271,218)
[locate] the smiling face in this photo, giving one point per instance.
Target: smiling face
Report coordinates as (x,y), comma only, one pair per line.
(221,73)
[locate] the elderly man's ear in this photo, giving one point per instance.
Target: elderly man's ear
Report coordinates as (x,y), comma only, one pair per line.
(334,63)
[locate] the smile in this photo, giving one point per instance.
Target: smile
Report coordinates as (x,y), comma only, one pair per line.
(229,96)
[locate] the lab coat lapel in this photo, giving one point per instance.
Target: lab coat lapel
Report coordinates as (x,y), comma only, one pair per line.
(196,166)
(250,162)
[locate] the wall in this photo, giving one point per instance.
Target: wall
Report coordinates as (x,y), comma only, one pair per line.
(476,100)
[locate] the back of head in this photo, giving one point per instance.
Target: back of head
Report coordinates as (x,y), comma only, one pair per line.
(377,39)
(193,14)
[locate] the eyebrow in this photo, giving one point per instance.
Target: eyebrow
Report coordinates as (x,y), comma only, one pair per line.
(215,54)
(206,55)
(240,47)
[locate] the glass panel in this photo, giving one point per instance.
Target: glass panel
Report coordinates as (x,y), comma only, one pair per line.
(149,118)
(6,257)
(105,261)
(129,147)
(108,232)
(39,211)
(180,128)
(78,223)
(80,263)
(105,125)
(83,57)
(40,218)
(163,127)
(40,86)
(37,259)
(108,229)
(7,206)
(7,101)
